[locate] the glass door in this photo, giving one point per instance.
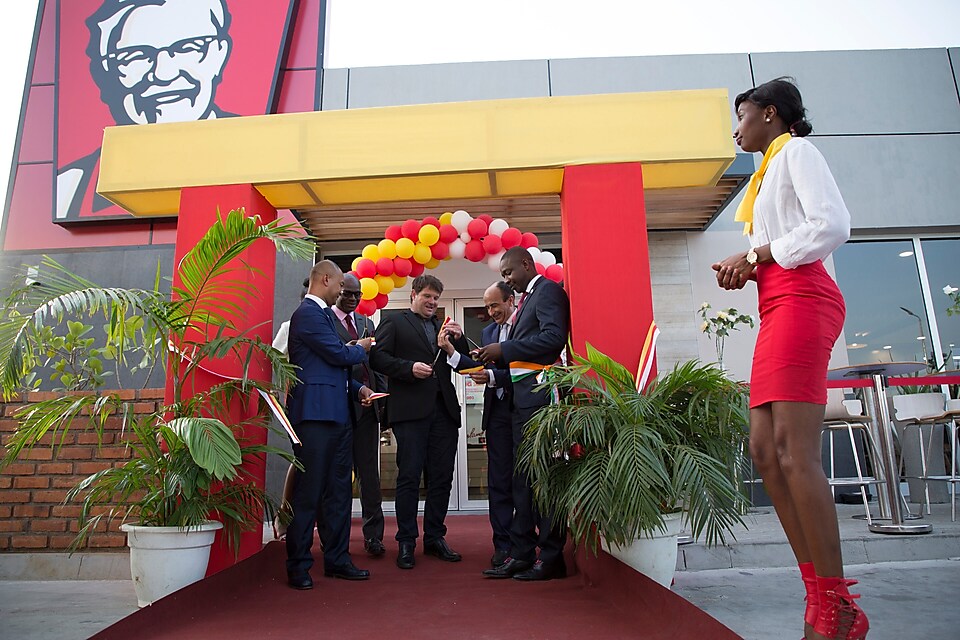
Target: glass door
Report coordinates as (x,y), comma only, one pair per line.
(469,491)
(470,482)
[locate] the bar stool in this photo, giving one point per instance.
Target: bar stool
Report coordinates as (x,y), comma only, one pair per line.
(927,411)
(838,417)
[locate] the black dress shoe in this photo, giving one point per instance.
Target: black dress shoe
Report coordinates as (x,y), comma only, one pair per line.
(347,572)
(508,569)
(300,581)
(498,558)
(540,571)
(405,558)
(442,550)
(374,547)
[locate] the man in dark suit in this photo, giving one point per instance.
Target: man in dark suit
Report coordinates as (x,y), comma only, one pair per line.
(498,301)
(424,413)
(539,334)
(366,432)
(320,411)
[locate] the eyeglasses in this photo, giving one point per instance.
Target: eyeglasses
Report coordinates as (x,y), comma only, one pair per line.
(349,294)
(140,60)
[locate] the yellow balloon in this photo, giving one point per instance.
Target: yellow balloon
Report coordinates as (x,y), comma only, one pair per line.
(405,247)
(353,267)
(432,263)
(368,288)
(371,252)
(398,281)
(429,235)
(446,217)
(384,283)
(422,254)
(388,248)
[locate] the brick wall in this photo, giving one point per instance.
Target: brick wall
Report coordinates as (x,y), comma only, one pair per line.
(33,517)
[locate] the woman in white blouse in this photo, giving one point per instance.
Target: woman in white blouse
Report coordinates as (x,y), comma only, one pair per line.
(795,217)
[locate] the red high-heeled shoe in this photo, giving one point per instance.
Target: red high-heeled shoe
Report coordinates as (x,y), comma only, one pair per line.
(840,617)
(812,612)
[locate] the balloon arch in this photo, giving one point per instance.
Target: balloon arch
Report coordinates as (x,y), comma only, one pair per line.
(407,250)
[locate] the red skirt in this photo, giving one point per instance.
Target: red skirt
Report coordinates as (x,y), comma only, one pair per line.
(801,316)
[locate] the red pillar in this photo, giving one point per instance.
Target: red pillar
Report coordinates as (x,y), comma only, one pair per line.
(607,260)
(198,210)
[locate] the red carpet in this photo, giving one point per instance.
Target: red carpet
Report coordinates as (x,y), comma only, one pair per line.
(435,600)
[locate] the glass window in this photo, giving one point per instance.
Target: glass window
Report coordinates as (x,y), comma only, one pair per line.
(940,257)
(886,318)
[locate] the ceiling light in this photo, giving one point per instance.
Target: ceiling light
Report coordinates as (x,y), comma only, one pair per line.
(906,254)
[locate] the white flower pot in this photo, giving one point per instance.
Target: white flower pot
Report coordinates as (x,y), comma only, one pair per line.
(654,555)
(165,559)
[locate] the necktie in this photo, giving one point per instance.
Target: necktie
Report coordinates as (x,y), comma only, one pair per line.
(504,331)
(523,296)
(352,330)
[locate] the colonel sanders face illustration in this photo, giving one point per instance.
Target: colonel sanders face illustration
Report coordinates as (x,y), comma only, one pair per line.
(159,60)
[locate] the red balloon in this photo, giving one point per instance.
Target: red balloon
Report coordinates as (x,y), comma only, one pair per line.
(554,272)
(511,238)
(401,266)
(540,268)
(366,268)
(431,221)
(474,251)
(448,233)
(440,250)
(367,307)
(486,217)
(393,232)
(411,229)
(381,300)
(576,451)
(416,269)
(529,240)
(385,267)
(492,244)
(477,228)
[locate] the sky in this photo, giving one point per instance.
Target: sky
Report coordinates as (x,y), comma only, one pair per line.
(362,33)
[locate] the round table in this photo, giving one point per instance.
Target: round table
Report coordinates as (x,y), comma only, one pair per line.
(888,495)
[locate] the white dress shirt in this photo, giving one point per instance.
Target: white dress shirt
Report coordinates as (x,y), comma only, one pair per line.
(799,210)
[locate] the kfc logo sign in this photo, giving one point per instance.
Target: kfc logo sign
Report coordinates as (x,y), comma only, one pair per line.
(132,62)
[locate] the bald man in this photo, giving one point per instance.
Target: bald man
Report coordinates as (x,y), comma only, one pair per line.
(320,410)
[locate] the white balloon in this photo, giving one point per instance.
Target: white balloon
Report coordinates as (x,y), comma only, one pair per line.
(457,248)
(466,237)
(460,220)
(547,259)
(494,261)
(534,253)
(498,226)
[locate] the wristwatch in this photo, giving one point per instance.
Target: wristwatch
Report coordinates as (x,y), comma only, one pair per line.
(752,256)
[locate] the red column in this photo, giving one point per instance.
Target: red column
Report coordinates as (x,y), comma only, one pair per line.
(607,260)
(198,210)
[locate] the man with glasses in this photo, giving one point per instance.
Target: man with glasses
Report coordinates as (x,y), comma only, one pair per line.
(351,327)
(153,61)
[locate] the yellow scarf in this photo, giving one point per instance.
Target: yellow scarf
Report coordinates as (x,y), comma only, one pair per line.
(745,210)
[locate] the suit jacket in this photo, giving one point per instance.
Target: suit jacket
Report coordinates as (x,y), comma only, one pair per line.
(324,388)
(401,341)
(365,328)
(540,332)
(501,374)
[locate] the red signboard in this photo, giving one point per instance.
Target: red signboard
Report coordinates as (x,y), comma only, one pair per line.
(131,62)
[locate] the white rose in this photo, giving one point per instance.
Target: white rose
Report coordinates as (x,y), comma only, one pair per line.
(950,290)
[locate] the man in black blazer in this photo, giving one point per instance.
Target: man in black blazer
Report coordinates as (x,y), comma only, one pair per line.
(498,300)
(424,413)
(320,410)
(539,334)
(352,326)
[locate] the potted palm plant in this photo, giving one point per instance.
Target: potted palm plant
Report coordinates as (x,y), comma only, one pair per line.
(184,478)
(632,462)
